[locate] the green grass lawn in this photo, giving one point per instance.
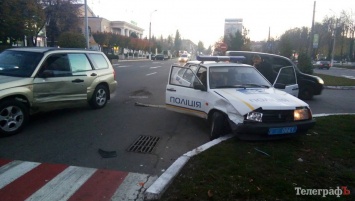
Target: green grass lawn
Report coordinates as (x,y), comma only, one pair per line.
(239,170)
(336,81)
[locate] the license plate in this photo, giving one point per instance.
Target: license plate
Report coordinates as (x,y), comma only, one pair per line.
(284,130)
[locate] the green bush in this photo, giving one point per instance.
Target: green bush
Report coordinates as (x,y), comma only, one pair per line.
(305,63)
(72,40)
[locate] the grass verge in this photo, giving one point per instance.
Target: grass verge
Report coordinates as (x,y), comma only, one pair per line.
(239,170)
(336,81)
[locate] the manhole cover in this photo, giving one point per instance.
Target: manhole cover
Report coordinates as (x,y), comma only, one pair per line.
(144,144)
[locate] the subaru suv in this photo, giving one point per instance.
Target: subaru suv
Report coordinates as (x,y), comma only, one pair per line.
(41,79)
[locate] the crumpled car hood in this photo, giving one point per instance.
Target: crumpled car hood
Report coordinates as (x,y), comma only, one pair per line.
(245,100)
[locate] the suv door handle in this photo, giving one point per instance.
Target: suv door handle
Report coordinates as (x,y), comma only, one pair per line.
(93,74)
(171,89)
(77,80)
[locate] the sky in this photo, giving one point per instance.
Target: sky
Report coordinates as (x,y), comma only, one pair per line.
(203,20)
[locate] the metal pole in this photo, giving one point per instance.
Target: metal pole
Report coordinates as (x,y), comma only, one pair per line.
(150,30)
(333,49)
(86,25)
(312,32)
(150,27)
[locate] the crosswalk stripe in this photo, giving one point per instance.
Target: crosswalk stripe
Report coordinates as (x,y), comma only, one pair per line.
(63,185)
(101,186)
(13,170)
(23,187)
(31,181)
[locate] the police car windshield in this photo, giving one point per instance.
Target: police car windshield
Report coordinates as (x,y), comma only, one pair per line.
(236,77)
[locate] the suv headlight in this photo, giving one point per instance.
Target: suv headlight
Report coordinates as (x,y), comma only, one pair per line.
(302,114)
(320,80)
(255,116)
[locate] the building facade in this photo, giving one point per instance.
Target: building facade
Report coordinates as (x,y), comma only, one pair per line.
(99,24)
(232,25)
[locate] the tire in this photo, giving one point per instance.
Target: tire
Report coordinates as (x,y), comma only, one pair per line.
(100,97)
(217,125)
(307,93)
(14,116)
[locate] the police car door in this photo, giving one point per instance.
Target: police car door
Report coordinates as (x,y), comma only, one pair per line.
(180,94)
(286,80)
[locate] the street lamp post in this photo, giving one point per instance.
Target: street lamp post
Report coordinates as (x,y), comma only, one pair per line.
(150,30)
(86,25)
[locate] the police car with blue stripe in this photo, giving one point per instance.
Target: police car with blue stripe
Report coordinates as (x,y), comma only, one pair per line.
(236,98)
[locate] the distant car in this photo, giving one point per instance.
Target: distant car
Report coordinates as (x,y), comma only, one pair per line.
(152,56)
(41,79)
(236,97)
(184,58)
(322,64)
(159,57)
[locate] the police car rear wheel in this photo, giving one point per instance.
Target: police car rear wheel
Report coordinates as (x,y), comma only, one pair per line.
(217,124)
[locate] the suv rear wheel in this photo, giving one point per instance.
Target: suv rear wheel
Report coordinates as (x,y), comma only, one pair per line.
(13,117)
(100,97)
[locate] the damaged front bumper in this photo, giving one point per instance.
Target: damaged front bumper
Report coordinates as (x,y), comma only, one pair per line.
(266,131)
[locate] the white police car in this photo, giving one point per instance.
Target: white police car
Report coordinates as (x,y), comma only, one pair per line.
(235,97)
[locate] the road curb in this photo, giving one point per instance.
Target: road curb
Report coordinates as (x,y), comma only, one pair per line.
(155,191)
(340,87)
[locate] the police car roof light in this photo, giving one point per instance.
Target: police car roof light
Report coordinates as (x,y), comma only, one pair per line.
(220,58)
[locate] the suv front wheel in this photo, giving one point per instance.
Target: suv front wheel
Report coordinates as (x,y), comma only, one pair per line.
(100,97)
(13,117)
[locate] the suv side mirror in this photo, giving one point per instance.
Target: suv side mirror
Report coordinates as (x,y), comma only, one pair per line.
(199,86)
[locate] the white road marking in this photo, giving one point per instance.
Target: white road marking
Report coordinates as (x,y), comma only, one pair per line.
(122,66)
(151,74)
(131,187)
(11,171)
(156,67)
(64,185)
(349,77)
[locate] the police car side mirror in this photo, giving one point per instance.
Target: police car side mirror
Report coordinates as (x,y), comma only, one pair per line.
(199,86)
(279,86)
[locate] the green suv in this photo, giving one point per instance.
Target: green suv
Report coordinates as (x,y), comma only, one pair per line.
(41,79)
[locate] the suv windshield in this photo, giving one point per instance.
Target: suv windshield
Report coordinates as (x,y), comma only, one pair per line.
(18,63)
(236,77)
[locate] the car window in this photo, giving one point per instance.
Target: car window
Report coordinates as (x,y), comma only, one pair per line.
(182,76)
(99,61)
(56,65)
(79,62)
(19,63)
(286,76)
(232,76)
(278,63)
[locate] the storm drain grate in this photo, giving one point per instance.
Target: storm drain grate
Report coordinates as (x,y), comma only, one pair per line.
(144,144)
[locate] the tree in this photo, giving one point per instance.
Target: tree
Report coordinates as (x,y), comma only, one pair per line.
(305,63)
(200,47)
(62,16)
(238,41)
(72,40)
(177,41)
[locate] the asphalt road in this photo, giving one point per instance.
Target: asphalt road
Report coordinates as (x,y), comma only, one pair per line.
(73,136)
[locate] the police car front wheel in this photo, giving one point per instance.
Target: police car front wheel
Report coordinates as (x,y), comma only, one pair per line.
(217,125)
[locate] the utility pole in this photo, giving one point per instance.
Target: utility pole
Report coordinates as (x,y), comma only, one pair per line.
(311,52)
(86,25)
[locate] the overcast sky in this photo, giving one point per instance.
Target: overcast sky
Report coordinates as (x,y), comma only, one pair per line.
(203,20)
